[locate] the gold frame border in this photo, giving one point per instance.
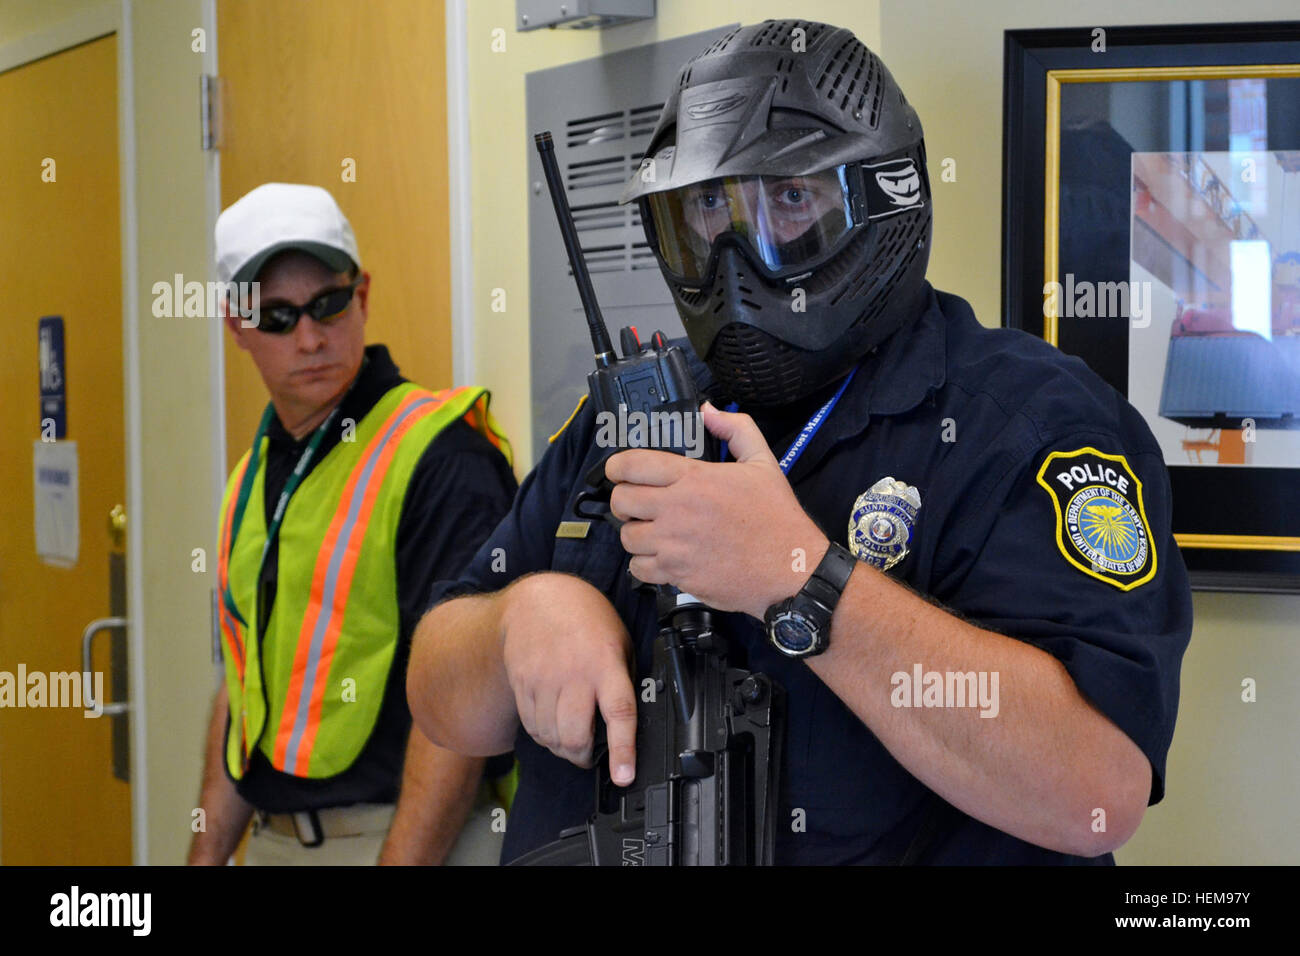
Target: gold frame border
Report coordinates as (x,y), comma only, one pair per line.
(1238,542)
(1052,222)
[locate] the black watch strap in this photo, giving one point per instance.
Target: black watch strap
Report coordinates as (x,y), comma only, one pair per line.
(800,626)
(831,576)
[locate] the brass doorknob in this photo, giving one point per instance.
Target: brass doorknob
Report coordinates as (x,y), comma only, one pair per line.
(117,526)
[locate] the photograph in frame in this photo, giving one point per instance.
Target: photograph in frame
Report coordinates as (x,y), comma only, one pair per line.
(1137,185)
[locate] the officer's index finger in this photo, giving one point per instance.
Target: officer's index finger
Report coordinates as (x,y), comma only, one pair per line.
(617,702)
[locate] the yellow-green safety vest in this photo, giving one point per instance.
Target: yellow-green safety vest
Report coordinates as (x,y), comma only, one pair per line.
(308,692)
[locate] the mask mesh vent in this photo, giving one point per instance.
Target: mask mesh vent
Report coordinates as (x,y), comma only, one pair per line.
(886,294)
(720,44)
(784,67)
(851,79)
(780,33)
(691,297)
(833,272)
(754,366)
(696,298)
(898,247)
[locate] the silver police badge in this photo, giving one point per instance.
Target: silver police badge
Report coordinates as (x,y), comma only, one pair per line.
(880,526)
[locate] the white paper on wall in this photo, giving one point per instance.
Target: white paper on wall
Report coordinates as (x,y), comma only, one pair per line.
(58,521)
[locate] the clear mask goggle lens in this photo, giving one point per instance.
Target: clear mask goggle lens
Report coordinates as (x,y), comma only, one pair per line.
(789,223)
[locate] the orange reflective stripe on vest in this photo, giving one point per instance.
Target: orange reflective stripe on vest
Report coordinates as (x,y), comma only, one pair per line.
(332,582)
(229,626)
(478,417)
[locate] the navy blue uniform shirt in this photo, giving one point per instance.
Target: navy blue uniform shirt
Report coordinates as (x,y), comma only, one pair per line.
(969,416)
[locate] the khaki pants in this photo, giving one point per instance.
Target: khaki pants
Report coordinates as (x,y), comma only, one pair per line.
(478,844)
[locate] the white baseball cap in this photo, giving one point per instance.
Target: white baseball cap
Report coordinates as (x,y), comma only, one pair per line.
(275,217)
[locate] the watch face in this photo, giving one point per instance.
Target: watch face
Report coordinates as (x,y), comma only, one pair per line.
(793,633)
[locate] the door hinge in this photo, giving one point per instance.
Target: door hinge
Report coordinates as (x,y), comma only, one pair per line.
(210,111)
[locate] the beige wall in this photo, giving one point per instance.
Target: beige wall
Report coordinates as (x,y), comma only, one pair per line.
(19,18)
(1234,768)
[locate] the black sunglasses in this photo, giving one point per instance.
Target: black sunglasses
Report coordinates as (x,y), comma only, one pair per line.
(325,309)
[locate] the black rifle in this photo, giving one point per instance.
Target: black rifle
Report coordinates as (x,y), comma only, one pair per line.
(708,734)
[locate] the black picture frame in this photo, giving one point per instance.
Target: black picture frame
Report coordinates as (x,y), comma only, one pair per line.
(1238,527)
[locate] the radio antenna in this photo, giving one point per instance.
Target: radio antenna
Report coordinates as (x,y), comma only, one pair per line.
(600,340)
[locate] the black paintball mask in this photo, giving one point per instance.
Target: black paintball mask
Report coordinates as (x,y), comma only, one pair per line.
(785,196)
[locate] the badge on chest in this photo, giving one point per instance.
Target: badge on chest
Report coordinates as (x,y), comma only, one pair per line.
(881,523)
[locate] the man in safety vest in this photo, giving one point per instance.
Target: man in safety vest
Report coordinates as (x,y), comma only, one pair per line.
(360,490)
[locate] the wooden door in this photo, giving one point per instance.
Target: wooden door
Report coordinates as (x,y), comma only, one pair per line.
(59,801)
(352,97)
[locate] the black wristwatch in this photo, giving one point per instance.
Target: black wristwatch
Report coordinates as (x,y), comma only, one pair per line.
(800,626)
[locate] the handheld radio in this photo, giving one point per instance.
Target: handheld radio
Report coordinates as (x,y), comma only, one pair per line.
(651,378)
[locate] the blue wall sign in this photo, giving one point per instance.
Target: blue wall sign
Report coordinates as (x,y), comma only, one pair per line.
(54,379)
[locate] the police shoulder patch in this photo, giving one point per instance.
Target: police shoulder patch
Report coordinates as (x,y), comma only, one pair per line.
(1101,521)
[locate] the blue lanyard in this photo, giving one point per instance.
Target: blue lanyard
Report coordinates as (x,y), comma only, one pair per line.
(806,433)
(250,473)
(290,486)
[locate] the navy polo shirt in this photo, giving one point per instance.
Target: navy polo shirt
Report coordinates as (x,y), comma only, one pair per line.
(969,416)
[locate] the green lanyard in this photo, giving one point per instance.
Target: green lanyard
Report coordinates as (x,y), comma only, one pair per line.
(246,488)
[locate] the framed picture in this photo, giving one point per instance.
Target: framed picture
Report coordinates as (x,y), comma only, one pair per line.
(1151,226)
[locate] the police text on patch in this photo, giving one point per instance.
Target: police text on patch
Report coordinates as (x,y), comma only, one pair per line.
(1079,474)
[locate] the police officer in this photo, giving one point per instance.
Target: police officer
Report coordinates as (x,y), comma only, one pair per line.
(360,490)
(951,545)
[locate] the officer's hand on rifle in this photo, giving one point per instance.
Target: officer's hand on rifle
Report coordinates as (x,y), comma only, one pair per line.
(566,655)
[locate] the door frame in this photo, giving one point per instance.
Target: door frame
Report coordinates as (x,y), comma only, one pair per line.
(102,19)
(460,199)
